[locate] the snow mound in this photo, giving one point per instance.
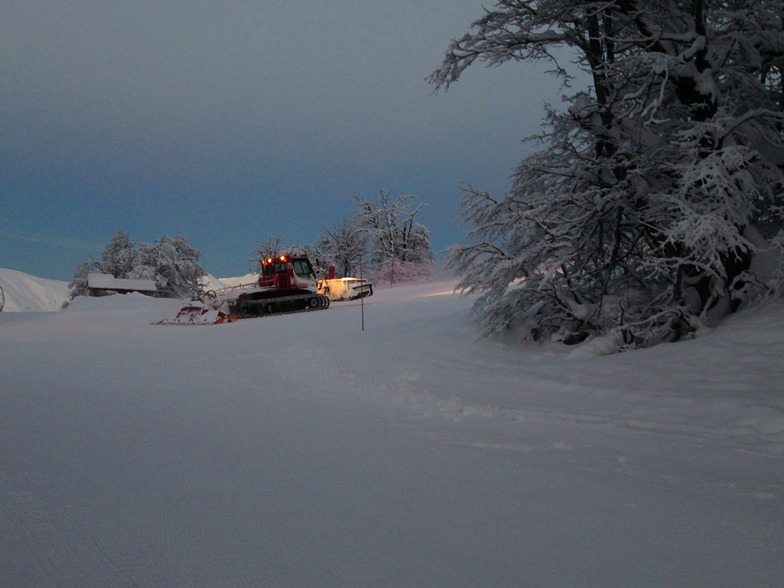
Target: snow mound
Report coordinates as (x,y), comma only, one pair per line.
(120,302)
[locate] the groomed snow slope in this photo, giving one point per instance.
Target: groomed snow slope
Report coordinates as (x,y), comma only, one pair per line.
(298,450)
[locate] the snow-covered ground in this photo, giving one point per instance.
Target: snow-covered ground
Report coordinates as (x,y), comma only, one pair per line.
(299,450)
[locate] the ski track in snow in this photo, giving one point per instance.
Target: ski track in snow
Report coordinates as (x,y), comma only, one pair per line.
(707,415)
(299,450)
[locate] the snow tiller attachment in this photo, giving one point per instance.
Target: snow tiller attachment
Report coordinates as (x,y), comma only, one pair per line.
(197,313)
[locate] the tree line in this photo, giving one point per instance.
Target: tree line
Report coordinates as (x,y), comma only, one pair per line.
(170,263)
(384,235)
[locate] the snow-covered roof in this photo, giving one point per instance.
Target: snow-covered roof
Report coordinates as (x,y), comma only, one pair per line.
(109,282)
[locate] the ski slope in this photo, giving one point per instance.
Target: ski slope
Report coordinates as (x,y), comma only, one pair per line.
(300,450)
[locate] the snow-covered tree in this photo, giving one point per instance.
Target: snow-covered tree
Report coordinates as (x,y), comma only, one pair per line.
(173,264)
(658,187)
(398,244)
(119,255)
(170,262)
(117,259)
(271,247)
(344,246)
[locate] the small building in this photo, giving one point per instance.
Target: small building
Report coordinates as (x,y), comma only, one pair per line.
(105,284)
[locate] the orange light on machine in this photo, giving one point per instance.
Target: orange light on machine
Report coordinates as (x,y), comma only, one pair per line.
(282,258)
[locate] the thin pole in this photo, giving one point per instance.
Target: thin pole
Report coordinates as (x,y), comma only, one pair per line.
(362,300)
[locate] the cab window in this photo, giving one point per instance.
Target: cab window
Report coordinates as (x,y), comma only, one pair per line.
(302,269)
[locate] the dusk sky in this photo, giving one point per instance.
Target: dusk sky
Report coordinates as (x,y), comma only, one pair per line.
(231,122)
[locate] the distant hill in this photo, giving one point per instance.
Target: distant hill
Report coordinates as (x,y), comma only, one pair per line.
(26,293)
(246,279)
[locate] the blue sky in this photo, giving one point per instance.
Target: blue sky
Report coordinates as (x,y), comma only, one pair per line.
(230,122)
